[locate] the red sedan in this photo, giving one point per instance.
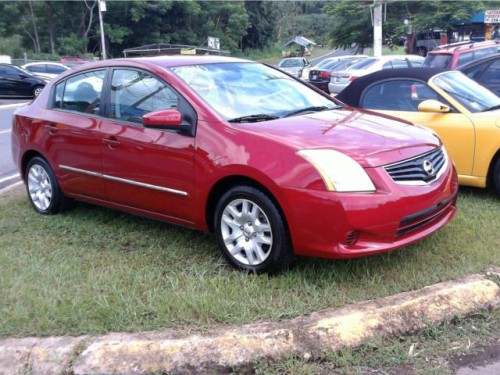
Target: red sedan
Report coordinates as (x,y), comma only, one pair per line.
(274,168)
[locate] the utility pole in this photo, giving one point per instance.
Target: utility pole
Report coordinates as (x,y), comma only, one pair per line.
(102,8)
(377,28)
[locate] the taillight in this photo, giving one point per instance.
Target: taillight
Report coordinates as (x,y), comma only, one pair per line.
(352,78)
(324,75)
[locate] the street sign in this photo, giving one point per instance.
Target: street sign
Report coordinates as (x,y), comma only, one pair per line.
(213,42)
(492,16)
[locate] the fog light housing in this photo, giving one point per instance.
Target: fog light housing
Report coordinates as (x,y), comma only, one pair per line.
(351,238)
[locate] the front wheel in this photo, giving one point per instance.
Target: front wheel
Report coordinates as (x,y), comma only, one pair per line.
(251,231)
(43,190)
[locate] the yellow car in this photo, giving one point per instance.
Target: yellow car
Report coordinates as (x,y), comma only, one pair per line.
(464,114)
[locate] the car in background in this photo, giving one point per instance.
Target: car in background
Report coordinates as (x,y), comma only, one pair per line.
(328,62)
(451,56)
(274,168)
(320,76)
(485,71)
(463,113)
(16,82)
(340,80)
(45,69)
(293,65)
(71,61)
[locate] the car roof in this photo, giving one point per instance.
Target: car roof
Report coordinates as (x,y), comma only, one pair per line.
(44,63)
(352,93)
(462,46)
(474,63)
(162,61)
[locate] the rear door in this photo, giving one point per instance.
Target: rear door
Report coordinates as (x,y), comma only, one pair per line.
(72,135)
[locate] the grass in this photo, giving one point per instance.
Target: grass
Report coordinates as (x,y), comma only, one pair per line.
(434,350)
(93,270)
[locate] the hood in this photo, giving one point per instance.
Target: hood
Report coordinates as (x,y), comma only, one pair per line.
(292,69)
(371,140)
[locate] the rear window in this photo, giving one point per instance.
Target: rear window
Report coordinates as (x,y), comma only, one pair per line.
(363,64)
(434,60)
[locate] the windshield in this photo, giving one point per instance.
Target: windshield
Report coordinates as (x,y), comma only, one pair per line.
(467,92)
(244,89)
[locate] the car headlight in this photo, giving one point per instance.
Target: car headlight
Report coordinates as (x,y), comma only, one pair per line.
(339,172)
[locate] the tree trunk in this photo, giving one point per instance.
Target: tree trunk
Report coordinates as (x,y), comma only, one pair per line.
(36,39)
(51,27)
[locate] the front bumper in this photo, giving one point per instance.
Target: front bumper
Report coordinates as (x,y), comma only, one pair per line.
(348,225)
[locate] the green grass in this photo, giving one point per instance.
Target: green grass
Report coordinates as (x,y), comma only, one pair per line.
(94,270)
(434,350)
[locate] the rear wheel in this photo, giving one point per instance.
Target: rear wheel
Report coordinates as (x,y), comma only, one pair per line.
(43,190)
(37,90)
(251,231)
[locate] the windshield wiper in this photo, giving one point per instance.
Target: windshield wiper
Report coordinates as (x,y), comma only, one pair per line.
(309,109)
(491,108)
(254,118)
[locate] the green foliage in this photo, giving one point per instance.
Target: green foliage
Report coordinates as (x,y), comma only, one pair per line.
(73,45)
(11,46)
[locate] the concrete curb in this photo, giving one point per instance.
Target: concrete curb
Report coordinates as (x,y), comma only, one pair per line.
(220,350)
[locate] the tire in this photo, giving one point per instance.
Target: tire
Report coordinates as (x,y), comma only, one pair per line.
(496,177)
(251,231)
(37,90)
(43,190)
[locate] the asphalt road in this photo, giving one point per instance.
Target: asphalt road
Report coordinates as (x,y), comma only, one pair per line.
(8,171)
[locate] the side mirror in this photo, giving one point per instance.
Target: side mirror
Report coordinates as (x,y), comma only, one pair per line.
(433,106)
(163,119)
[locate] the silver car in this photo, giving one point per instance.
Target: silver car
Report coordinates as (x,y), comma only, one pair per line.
(340,80)
(293,65)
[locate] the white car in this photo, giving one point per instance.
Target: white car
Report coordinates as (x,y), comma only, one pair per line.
(340,80)
(330,60)
(45,69)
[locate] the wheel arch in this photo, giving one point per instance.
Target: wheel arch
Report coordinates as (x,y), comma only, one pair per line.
(28,155)
(227,183)
(490,181)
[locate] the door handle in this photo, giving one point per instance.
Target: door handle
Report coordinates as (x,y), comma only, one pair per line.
(52,129)
(111,142)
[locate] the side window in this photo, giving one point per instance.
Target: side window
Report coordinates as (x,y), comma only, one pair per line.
(387,65)
(465,57)
(82,92)
(12,72)
(135,93)
(492,73)
(483,52)
(397,95)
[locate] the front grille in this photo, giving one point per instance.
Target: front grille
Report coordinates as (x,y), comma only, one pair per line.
(420,170)
(420,219)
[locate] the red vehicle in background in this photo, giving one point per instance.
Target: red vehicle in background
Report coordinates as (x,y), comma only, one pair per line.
(71,61)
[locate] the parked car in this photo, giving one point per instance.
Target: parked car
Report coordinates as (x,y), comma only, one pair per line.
(274,168)
(19,83)
(427,41)
(45,69)
(329,62)
(71,61)
(463,113)
(485,71)
(319,75)
(340,80)
(293,65)
(451,56)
